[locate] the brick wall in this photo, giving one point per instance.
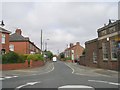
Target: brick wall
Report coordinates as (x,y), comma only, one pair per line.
(90,48)
(20,47)
(107,64)
(6,45)
(14,66)
(82,60)
(36,63)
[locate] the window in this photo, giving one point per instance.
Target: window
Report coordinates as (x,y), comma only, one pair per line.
(11,47)
(3,51)
(113,50)
(112,29)
(94,57)
(3,38)
(104,32)
(105,51)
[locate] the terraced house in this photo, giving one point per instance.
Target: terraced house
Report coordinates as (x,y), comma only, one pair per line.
(21,44)
(103,51)
(74,51)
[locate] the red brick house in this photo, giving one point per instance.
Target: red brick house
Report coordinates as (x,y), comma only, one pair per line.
(74,51)
(21,44)
(102,52)
(4,40)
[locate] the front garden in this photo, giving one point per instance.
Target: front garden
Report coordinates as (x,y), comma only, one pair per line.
(13,60)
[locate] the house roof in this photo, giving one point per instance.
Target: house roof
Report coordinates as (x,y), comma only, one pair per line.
(4,30)
(16,37)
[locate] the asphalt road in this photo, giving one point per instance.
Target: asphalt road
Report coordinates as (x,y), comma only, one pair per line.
(61,77)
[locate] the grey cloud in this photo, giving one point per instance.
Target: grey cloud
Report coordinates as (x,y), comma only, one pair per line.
(62,22)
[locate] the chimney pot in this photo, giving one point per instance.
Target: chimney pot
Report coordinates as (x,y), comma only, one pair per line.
(77,43)
(71,44)
(18,31)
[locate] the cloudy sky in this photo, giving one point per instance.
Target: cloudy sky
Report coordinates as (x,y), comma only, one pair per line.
(62,22)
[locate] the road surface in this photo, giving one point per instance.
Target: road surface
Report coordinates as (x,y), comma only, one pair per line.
(61,76)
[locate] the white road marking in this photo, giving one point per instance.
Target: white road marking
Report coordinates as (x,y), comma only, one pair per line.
(1,78)
(75,86)
(30,83)
(48,71)
(7,77)
(15,76)
(70,68)
(104,82)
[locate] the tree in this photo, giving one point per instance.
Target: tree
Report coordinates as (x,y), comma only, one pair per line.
(62,55)
(49,54)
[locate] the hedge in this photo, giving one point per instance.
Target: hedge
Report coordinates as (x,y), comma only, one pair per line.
(35,57)
(12,57)
(68,58)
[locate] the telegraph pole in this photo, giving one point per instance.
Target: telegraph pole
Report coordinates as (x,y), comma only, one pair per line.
(41,39)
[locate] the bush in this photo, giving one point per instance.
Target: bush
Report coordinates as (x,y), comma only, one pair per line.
(35,57)
(12,57)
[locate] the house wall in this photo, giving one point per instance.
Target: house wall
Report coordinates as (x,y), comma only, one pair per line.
(107,64)
(6,45)
(90,48)
(105,34)
(20,47)
(78,50)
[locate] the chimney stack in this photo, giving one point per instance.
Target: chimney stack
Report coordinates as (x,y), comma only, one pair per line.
(18,31)
(77,43)
(71,44)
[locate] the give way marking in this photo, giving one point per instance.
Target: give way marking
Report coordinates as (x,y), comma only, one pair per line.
(113,83)
(75,86)
(27,84)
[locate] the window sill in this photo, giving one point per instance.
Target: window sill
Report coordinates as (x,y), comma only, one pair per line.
(95,62)
(106,60)
(114,60)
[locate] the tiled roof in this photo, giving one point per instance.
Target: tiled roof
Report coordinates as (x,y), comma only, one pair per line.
(17,37)
(4,30)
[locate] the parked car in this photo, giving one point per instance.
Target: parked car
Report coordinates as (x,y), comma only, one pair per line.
(54,59)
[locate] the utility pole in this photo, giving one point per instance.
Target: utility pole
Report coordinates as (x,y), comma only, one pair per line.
(41,39)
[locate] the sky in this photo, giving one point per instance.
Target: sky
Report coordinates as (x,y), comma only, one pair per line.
(62,22)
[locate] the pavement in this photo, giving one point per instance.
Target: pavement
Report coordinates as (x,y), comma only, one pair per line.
(79,69)
(30,71)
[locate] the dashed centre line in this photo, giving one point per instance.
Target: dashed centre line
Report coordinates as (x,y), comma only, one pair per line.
(7,77)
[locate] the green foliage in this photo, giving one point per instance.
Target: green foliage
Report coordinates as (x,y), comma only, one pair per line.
(68,58)
(62,55)
(49,54)
(35,57)
(12,57)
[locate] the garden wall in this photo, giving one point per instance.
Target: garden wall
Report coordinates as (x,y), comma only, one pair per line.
(14,66)
(36,63)
(25,65)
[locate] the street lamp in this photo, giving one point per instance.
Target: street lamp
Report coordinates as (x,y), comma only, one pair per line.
(2,23)
(46,44)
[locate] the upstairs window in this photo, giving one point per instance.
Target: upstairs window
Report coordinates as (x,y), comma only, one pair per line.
(3,38)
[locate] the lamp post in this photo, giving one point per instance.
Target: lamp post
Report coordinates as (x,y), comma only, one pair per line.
(46,44)
(2,23)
